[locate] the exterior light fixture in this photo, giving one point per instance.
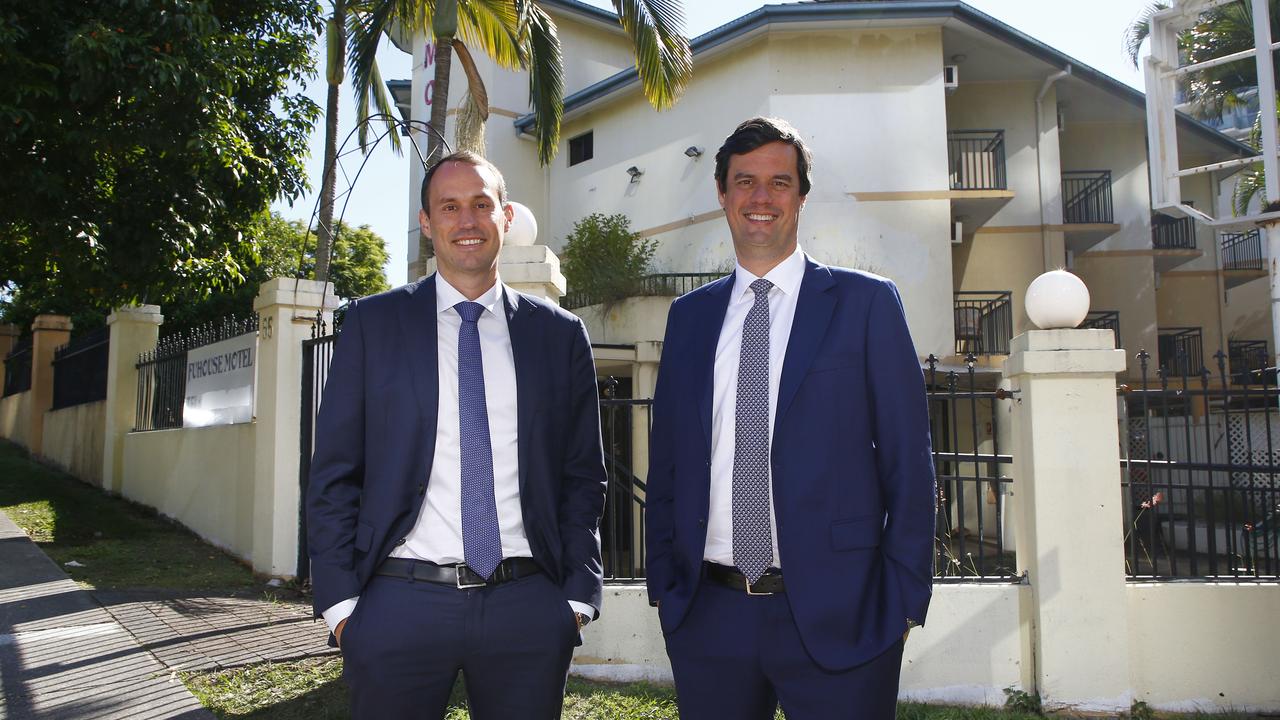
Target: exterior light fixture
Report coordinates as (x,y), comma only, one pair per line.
(635,173)
(693,151)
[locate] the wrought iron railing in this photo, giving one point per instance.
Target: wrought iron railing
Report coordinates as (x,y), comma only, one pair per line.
(976,160)
(1086,197)
(80,370)
(1247,358)
(1181,352)
(1201,476)
(1103,320)
(162,372)
(659,284)
(17,368)
(983,321)
(972,528)
(1168,233)
(1242,251)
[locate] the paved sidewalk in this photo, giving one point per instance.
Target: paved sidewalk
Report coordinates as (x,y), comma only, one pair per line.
(70,653)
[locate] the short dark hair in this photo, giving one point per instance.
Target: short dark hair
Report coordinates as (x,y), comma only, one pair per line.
(757,132)
(470,158)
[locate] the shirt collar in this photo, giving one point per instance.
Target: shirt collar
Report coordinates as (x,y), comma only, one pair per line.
(785,276)
(447,296)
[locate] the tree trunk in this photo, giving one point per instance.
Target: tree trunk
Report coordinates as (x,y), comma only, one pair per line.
(328,179)
(440,97)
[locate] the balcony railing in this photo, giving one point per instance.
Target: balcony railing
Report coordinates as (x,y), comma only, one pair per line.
(1247,359)
(1169,233)
(1242,251)
(983,321)
(976,159)
(1181,352)
(1103,320)
(1086,197)
(661,284)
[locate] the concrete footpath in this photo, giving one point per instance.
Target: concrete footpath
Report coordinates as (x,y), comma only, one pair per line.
(66,652)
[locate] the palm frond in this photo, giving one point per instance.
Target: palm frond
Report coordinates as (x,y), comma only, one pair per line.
(364,33)
(546,79)
(1139,30)
(663,60)
(493,27)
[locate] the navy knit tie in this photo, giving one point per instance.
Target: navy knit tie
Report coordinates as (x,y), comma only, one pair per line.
(481,540)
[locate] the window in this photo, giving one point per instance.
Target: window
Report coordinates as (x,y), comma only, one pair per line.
(580,148)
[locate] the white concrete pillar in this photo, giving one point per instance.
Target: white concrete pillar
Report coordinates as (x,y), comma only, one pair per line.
(286,310)
(48,333)
(134,330)
(534,270)
(8,338)
(1068,517)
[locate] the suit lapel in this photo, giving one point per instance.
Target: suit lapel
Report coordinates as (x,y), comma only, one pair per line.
(813,313)
(708,314)
(526,350)
(418,328)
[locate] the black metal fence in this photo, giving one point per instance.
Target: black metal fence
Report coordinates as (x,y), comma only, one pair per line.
(622,539)
(983,321)
(17,368)
(1103,320)
(660,284)
(976,159)
(80,370)
(1242,251)
(1181,351)
(1169,233)
(162,372)
(1199,475)
(971,527)
(1086,197)
(317,353)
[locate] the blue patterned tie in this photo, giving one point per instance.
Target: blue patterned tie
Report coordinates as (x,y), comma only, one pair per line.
(752,531)
(481,541)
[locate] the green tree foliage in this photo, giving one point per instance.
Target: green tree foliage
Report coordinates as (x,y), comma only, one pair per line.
(284,248)
(141,141)
(603,260)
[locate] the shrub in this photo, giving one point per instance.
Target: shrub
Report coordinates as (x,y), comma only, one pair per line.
(603,260)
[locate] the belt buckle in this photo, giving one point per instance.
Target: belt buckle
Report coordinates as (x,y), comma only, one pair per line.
(466,586)
(752,592)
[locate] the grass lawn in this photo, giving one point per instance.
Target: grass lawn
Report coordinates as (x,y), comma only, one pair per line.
(120,544)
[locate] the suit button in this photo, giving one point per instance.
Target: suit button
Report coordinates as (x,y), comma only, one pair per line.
(422,488)
(702,521)
(400,541)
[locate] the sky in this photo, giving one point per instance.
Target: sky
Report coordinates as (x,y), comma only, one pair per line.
(1088,30)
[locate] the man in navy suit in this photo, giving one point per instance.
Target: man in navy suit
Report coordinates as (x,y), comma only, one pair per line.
(458,480)
(790,501)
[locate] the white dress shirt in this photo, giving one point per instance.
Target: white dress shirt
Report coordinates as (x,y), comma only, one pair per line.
(786,277)
(436,536)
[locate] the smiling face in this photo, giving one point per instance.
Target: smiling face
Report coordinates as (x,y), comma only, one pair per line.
(762,204)
(466,224)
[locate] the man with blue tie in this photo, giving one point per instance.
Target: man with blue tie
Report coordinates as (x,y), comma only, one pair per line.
(790,500)
(458,480)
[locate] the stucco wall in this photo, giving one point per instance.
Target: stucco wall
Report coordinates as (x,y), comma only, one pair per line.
(632,320)
(73,439)
(1125,284)
(201,477)
(995,260)
(15,418)
(1204,647)
(967,653)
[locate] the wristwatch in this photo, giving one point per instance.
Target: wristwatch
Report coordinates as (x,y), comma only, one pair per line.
(582,620)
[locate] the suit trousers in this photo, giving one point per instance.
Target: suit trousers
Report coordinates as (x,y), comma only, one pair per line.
(738,656)
(405,643)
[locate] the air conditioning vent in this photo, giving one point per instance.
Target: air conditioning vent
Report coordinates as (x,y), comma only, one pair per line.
(950,77)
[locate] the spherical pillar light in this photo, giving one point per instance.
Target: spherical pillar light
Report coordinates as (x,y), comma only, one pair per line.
(1057,299)
(524,226)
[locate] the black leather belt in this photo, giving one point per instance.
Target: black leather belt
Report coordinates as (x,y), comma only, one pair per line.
(769,584)
(459,576)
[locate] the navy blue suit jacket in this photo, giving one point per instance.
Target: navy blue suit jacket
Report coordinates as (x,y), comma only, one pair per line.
(376,429)
(853,484)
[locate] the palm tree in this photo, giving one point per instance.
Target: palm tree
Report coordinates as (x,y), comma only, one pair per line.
(518,34)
